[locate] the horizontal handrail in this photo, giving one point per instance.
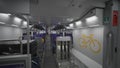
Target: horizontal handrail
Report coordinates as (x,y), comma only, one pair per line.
(9,40)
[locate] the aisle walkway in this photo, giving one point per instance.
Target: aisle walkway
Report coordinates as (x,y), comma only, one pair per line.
(49,59)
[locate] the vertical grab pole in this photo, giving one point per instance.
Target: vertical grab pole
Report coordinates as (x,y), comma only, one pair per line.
(21,45)
(28,36)
(110,49)
(68,45)
(61,50)
(65,50)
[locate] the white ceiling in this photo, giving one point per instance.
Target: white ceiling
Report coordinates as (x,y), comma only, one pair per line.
(14,6)
(56,11)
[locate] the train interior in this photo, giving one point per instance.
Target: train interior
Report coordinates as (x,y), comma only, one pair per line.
(59,34)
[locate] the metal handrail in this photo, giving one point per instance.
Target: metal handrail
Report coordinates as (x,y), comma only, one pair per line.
(9,40)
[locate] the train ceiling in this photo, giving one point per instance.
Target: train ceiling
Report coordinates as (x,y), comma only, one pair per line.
(50,12)
(61,10)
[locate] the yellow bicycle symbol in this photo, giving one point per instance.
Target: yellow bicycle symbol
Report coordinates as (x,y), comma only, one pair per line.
(94,45)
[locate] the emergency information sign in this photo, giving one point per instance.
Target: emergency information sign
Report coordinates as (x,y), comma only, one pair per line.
(115,18)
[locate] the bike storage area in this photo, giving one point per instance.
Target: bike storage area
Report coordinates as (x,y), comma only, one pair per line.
(83,48)
(61,42)
(88,36)
(96,38)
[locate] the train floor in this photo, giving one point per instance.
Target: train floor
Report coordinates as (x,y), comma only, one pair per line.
(49,59)
(51,62)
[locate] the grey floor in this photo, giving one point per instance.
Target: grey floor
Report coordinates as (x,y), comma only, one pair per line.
(49,59)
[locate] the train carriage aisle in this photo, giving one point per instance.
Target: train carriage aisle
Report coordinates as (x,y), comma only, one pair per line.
(49,58)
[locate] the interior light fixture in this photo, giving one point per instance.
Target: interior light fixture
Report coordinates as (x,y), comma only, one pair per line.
(25,23)
(94,25)
(2,23)
(91,19)
(70,19)
(68,27)
(30,26)
(78,23)
(8,14)
(71,25)
(4,15)
(14,25)
(17,19)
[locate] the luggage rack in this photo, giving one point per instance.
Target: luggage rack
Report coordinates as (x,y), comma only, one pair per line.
(14,42)
(35,60)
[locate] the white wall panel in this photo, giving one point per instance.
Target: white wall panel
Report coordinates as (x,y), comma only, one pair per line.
(9,33)
(97,35)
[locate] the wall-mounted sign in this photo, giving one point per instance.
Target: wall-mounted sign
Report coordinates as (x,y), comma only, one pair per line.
(106,20)
(89,41)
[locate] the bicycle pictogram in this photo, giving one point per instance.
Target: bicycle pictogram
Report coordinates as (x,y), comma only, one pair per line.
(89,41)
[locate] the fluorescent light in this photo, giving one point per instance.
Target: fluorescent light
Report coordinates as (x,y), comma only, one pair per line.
(91,19)
(30,26)
(2,23)
(14,25)
(8,14)
(94,25)
(5,14)
(70,19)
(16,19)
(78,23)
(68,27)
(25,23)
(71,25)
